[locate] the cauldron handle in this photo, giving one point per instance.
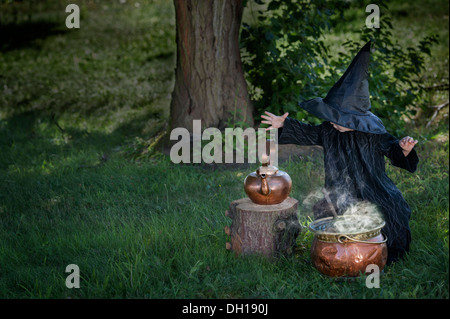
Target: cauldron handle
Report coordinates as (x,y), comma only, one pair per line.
(361,241)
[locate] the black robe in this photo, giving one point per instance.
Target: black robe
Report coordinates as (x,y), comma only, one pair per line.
(355,165)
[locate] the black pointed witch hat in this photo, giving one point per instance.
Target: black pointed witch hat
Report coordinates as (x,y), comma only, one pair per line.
(347,103)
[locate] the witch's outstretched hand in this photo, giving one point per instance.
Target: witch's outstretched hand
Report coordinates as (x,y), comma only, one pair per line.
(407,144)
(273,120)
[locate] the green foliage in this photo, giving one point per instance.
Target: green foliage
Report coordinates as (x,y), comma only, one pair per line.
(287,61)
(395,72)
(283,55)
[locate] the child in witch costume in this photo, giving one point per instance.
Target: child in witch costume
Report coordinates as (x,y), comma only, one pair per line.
(355,143)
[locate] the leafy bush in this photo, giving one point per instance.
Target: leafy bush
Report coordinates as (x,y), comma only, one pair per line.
(287,61)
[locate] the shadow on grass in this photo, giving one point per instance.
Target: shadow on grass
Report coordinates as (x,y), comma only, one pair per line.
(32,138)
(25,34)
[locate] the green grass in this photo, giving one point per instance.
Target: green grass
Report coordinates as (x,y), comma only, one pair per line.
(149,228)
(155,230)
(115,72)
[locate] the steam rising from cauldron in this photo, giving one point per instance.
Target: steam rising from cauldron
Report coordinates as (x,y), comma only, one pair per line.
(311,199)
(358,216)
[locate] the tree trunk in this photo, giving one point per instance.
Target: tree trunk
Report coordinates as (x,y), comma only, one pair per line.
(209,81)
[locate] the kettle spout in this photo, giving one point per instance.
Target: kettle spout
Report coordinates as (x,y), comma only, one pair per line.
(265,189)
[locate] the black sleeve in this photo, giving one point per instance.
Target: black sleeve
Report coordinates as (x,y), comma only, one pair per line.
(296,132)
(391,148)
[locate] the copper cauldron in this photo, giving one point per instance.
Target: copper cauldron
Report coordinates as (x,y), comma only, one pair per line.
(337,254)
(268,185)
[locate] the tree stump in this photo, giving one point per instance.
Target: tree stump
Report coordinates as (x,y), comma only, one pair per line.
(270,230)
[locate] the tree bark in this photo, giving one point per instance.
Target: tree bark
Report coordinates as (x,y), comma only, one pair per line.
(209,81)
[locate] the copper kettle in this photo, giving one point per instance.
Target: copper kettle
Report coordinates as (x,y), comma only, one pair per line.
(268,185)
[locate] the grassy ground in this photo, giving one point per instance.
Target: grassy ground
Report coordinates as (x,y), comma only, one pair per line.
(73,102)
